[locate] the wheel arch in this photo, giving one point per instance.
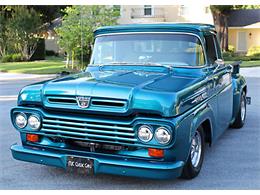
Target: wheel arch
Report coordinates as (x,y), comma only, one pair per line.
(205,119)
(207,129)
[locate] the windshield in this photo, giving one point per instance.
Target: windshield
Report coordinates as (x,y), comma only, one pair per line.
(165,49)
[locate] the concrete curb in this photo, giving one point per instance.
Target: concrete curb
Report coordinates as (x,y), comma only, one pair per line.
(18,76)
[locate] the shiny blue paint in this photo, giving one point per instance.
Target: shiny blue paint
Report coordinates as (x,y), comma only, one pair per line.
(102,164)
(179,98)
(163,27)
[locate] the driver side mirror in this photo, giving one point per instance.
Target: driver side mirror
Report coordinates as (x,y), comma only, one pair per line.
(220,63)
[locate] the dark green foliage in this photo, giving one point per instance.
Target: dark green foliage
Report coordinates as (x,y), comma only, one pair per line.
(20,31)
(12,58)
(76,32)
(50,53)
(39,53)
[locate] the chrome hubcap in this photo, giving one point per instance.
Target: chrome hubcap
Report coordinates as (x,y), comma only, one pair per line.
(243,109)
(196,149)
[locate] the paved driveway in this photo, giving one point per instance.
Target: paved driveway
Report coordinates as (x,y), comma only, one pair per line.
(232,163)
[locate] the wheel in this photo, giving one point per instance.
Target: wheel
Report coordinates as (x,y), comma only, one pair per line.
(241,115)
(194,163)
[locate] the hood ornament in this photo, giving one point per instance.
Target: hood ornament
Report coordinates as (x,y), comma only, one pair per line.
(83,101)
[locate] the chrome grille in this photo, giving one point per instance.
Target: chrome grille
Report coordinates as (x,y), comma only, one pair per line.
(87,129)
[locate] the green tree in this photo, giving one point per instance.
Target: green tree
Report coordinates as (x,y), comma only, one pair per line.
(22,30)
(3,43)
(220,15)
(78,24)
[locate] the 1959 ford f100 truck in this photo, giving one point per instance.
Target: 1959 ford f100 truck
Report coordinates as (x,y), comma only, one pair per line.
(150,100)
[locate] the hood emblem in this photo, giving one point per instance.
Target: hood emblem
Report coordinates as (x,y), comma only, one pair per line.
(83,101)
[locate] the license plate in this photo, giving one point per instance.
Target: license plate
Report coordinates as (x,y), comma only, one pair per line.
(80,165)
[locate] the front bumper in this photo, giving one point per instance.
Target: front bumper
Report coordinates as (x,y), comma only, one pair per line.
(109,165)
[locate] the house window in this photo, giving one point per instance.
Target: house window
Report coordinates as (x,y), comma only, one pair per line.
(207,10)
(148,10)
(182,10)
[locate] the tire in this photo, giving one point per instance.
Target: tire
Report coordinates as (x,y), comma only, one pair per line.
(193,166)
(241,115)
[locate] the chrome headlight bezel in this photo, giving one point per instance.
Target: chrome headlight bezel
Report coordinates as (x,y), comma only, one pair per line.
(166,132)
(149,130)
(22,115)
(38,119)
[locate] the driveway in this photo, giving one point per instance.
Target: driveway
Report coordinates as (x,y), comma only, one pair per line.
(232,163)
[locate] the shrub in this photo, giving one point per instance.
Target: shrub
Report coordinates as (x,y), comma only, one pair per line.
(231,48)
(253,51)
(255,56)
(6,58)
(17,58)
(12,58)
(227,55)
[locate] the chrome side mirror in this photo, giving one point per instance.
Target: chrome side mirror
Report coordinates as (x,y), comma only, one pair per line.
(220,63)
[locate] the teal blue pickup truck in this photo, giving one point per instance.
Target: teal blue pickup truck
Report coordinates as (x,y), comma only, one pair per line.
(150,100)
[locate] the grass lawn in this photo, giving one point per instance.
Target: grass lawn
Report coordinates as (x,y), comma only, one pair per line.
(245,64)
(51,65)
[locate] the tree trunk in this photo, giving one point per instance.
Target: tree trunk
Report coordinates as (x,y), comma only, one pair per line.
(221,24)
(226,33)
(67,60)
(72,59)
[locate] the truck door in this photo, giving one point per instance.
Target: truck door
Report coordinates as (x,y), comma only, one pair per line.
(221,77)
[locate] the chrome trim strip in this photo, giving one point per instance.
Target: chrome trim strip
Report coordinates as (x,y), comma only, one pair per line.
(193,34)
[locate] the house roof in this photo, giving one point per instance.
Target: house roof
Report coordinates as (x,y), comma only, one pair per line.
(157,27)
(244,17)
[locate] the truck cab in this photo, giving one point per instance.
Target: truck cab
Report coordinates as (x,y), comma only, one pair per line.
(152,96)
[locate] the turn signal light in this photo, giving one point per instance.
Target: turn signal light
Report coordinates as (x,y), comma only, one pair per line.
(32,137)
(155,152)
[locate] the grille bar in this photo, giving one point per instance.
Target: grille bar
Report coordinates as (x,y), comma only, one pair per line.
(87,125)
(87,135)
(88,130)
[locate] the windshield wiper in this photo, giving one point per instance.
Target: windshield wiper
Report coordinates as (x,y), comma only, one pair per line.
(119,63)
(168,66)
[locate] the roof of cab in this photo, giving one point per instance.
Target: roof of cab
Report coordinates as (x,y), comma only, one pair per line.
(156,27)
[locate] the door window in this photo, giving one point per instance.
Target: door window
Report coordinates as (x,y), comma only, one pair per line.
(211,49)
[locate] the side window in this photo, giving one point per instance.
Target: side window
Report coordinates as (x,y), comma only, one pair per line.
(210,49)
(218,47)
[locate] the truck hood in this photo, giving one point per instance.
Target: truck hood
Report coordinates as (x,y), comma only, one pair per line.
(124,92)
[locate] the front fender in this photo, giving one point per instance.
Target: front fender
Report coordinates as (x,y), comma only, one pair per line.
(185,129)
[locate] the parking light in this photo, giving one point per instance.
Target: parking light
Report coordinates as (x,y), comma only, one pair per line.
(158,153)
(32,137)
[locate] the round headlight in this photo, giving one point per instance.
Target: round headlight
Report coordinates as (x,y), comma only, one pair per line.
(21,120)
(34,122)
(162,135)
(145,133)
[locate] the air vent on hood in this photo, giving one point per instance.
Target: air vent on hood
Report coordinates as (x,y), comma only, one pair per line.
(94,102)
(62,100)
(110,103)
